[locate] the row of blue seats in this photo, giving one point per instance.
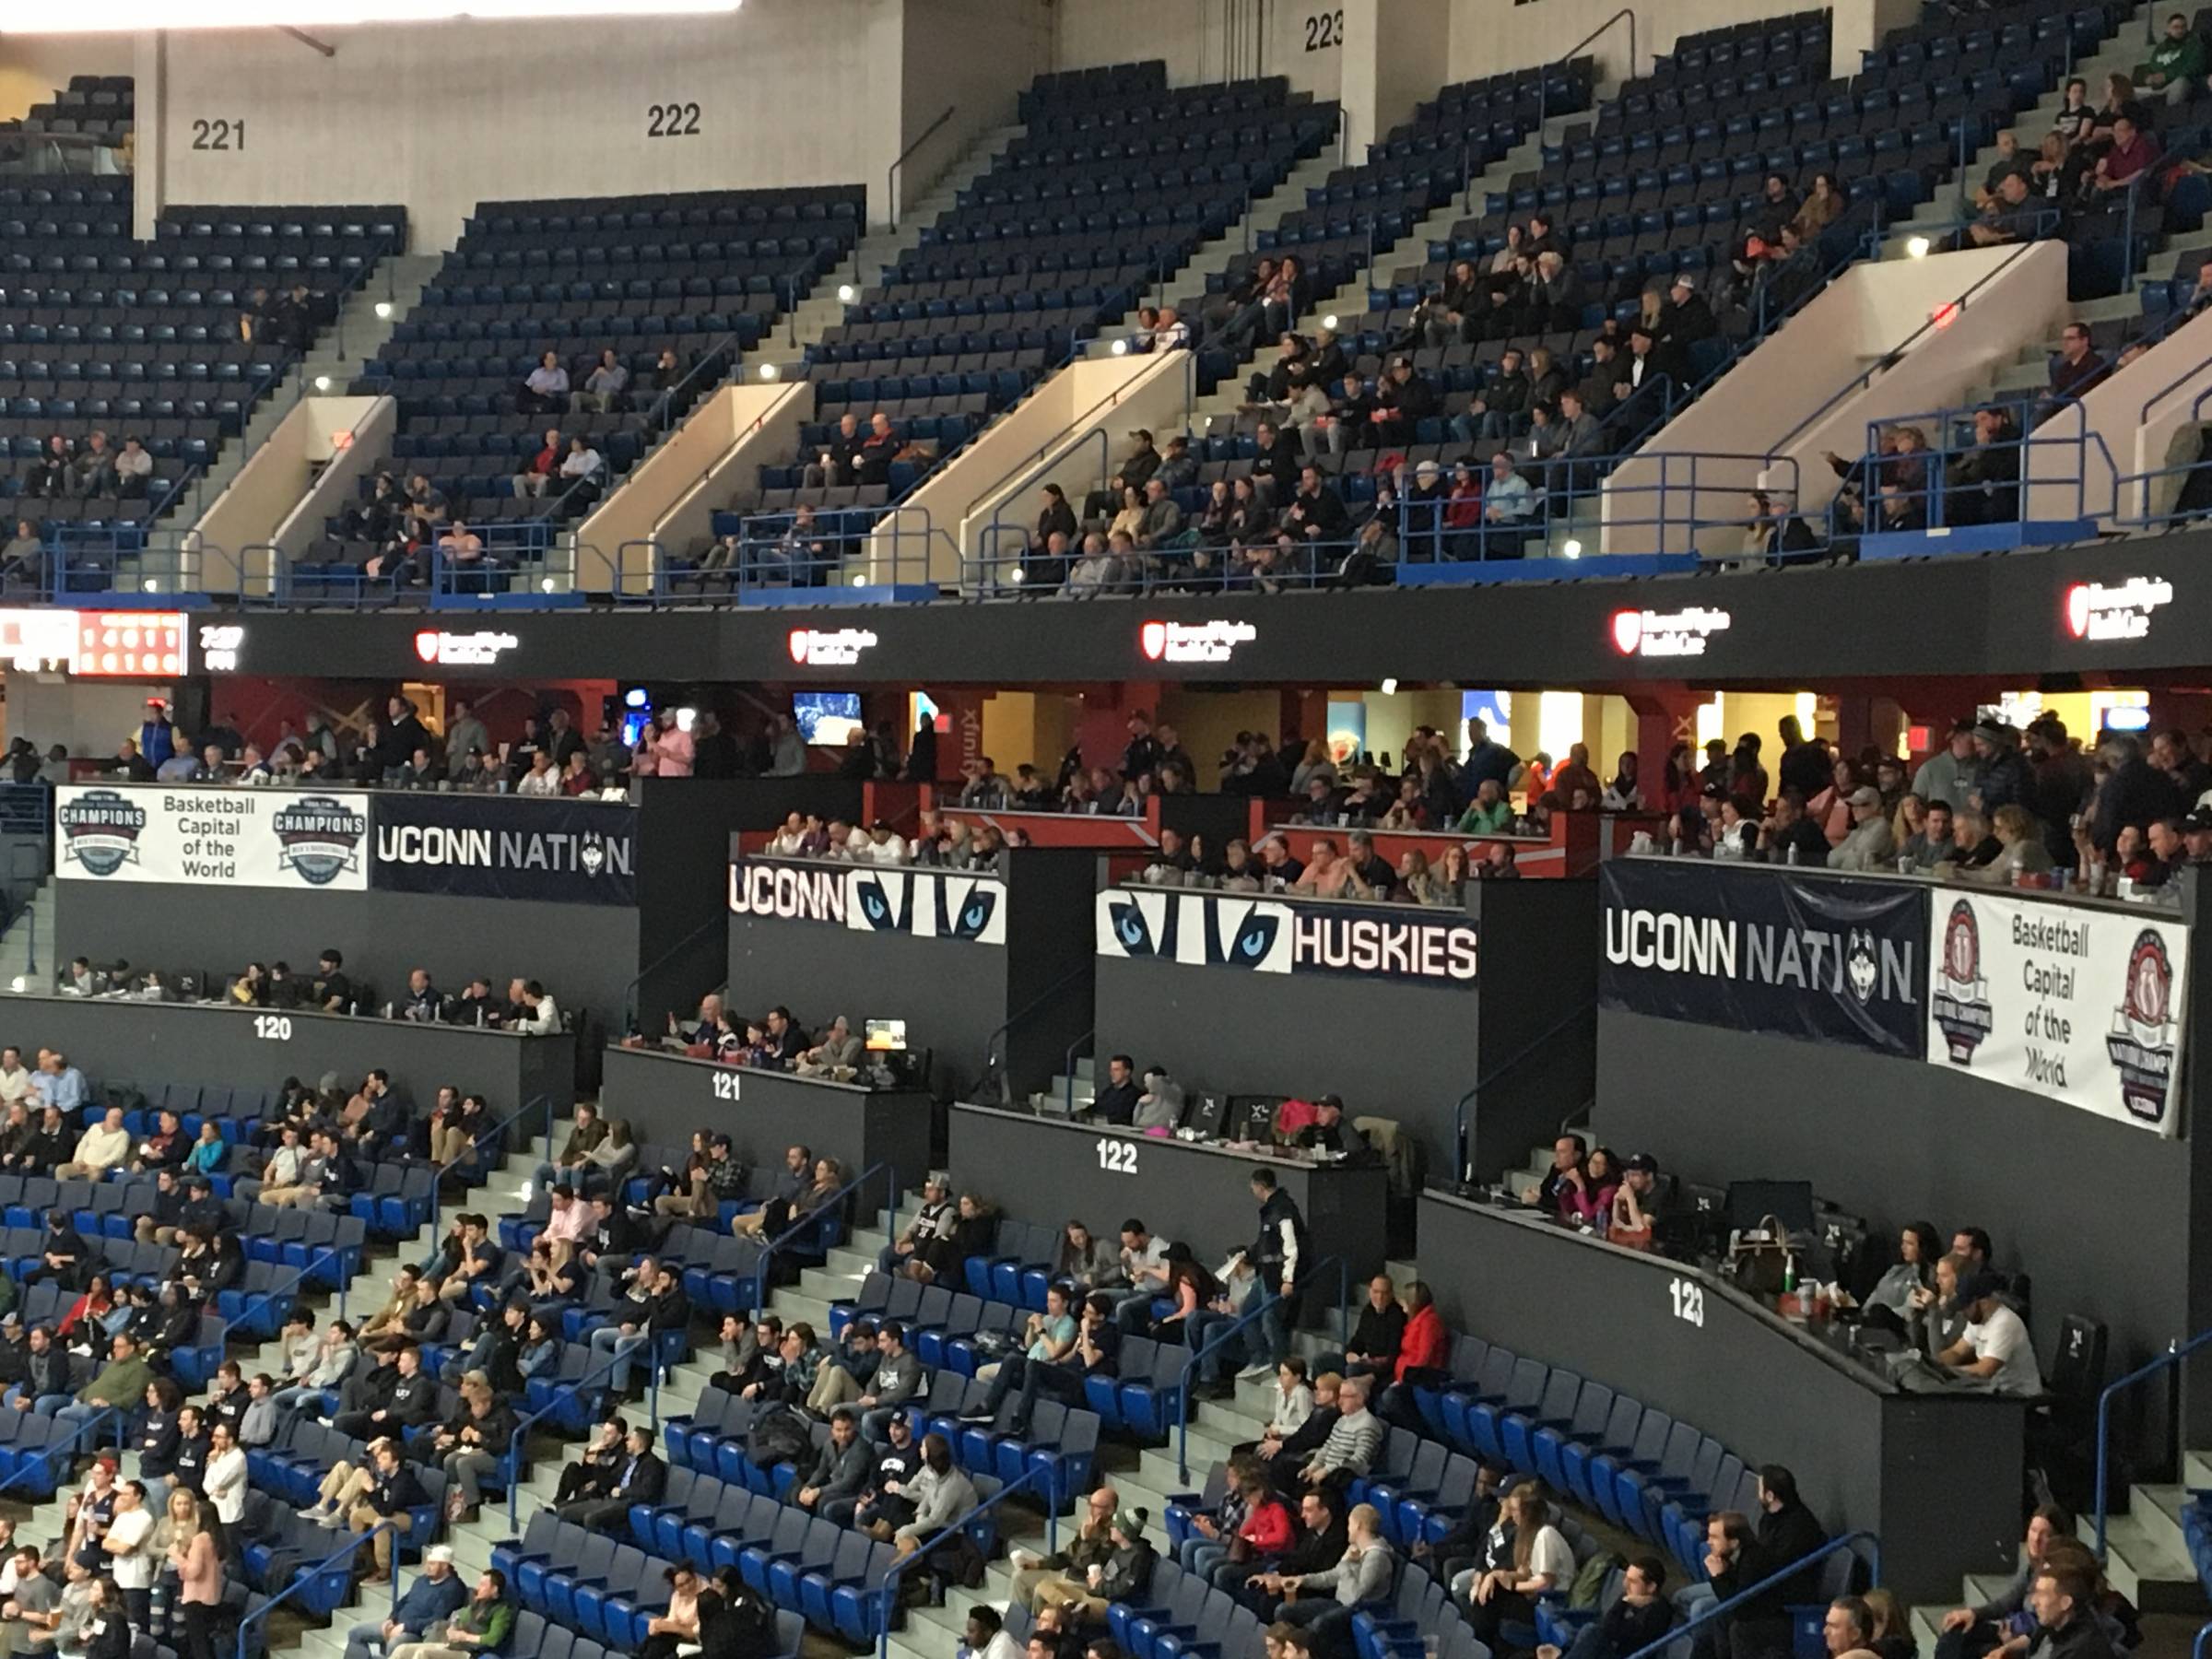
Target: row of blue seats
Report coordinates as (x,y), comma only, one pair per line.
(704,1519)
(1061,1440)
(1014,302)
(1099,180)
(292,1466)
(1249,155)
(549,1547)
(1205,104)
(492,222)
(1100,88)
(776,254)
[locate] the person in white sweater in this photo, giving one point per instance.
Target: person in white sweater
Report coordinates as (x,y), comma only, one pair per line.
(99,1149)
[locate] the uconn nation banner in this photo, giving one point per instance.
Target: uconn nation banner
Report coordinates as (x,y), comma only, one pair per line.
(1277,936)
(2074,1002)
(556,852)
(927,904)
(1823,959)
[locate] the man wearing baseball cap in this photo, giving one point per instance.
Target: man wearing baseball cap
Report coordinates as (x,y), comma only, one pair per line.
(435,1597)
(1870,844)
(1331,1132)
(1994,1349)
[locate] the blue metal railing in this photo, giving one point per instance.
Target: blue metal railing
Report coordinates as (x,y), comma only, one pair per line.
(495,1135)
(644,1354)
(817,1217)
(261,1299)
(1719,1610)
(1045,1478)
(2175,1353)
(307,1575)
(42,1462)
(1263,1304)
(1942,317)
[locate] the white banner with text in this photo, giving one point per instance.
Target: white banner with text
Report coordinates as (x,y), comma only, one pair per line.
(2078,1003)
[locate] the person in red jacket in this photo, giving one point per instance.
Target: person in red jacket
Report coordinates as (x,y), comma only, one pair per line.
(1424,1358)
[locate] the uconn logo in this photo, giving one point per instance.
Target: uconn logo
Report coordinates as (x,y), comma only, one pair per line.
(1270,936)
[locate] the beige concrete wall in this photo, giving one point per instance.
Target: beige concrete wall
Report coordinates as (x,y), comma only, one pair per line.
(1769,414)
(670,498)
(937,537)
(316,454)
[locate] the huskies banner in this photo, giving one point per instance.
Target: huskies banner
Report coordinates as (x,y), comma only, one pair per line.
(1274,935)
(243,837)
(929,904)
(557,851)
(2079,1004)
(1825,959)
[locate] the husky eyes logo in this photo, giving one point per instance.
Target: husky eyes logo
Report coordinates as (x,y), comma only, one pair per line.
(318,838)
(1960,1006)
(2142,1041)
(1133,929)
(965,917)
(1245,942)
(1859,959)
(100,831)
(873,901)
(592,855)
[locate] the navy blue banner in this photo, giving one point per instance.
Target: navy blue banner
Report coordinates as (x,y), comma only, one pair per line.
(1822,958)
(560,851)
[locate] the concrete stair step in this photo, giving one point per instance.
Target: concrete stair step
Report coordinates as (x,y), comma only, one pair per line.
(2156,1578)
(2159,1511)
(829,1284)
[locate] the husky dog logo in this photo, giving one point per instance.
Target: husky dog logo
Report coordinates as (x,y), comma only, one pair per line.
(592,855)
(1962,1007)
(318,838)
(2144,1034)
(100,831)
(1860,964)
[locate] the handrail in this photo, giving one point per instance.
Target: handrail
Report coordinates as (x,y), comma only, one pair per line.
(2175,1353)
(41,1460)
(307,1575)
(630,1007)
(493,1134)
(1030,1008)
(1948,313)
(1544,84)
(2196,1648)
(561,1396)
(813,1218)
(1652,1650)
(1267,1299)
(322,1254)
(664,399)
(1459,1111)
(1049,1475)
(890,179)
(1067,1063)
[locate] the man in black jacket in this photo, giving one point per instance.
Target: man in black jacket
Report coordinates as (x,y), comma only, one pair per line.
(1373,1348)
(394,1493)
(642,1478)
(1786,1532)
(1320,1547)
(841,1469)
(1459,1547)
(2061,1598)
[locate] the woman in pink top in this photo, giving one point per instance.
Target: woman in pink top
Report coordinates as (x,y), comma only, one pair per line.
(1831,807)
(199,1569)
(1590,1203)
(672,747)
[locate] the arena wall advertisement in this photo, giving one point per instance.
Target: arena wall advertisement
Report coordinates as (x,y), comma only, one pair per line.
(1828,959)
(2077,1003)
(243,837)
(1271,936)
(462,846)
(928,905)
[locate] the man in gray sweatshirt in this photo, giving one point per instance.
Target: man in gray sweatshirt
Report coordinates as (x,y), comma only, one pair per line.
(1322,1603)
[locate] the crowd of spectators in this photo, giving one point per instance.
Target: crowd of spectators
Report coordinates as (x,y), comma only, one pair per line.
(1996,804)
(775,1041)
